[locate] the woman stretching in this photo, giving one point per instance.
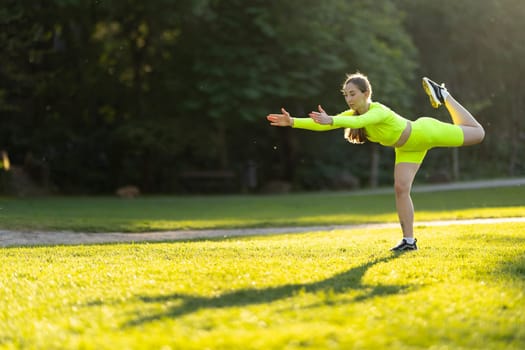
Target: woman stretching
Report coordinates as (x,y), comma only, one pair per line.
(367,120)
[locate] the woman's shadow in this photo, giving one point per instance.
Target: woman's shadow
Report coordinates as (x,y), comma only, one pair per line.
(339,283)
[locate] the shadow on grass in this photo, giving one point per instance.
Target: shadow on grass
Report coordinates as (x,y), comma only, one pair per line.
(350,280)
(509,249)
(514,267)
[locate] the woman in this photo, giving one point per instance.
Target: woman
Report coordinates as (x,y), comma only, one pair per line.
(367,120)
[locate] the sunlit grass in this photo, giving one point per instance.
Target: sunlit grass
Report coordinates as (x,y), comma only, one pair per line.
(175,213)
(342,289)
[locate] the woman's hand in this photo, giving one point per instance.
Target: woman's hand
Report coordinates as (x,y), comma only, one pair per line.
(283,119)
(321,117)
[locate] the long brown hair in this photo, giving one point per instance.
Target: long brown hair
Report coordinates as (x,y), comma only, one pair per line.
(357,136)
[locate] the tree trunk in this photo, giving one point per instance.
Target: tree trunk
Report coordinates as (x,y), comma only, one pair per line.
(222,146)
(288,154)
(374,166)
(515,134)
(455,164)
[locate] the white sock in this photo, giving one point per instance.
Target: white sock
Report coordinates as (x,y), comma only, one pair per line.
(410,240)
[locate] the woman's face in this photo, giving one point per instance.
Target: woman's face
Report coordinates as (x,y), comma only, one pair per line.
(355,98)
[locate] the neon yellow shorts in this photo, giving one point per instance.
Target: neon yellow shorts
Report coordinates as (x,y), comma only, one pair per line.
(428,133)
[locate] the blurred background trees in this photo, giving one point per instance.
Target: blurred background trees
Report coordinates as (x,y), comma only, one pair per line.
(98,94)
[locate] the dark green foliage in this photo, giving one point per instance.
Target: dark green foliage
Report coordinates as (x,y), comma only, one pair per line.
(102,94)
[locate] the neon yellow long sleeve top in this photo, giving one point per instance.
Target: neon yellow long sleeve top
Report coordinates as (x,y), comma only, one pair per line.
(382,125)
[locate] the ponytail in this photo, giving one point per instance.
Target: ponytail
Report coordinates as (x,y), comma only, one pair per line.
(357,136)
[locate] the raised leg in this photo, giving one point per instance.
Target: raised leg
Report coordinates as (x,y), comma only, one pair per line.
(472,130)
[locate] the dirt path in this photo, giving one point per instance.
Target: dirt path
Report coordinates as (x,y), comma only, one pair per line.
(28,238)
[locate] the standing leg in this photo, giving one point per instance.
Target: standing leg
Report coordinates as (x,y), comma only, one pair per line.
(404,174)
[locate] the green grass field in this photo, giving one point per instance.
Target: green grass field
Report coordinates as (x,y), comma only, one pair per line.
(340,289)
(107,214)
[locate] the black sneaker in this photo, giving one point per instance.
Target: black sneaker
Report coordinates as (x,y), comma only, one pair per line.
(404,245)
(435,92)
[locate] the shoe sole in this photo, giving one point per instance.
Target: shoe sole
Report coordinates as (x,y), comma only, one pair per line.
(434,100)
(403,250)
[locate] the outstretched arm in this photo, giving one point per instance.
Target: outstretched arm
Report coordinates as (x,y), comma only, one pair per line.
(283,119)
(321,117)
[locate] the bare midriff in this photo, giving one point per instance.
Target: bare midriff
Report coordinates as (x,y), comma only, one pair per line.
(404,136)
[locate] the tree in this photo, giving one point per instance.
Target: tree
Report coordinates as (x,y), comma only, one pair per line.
(110,93)
(475,46)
